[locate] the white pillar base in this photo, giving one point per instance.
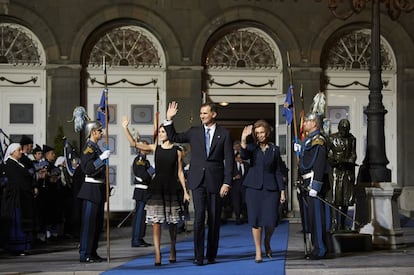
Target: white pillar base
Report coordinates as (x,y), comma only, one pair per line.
(384,225)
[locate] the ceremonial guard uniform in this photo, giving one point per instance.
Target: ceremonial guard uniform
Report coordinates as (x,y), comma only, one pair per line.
(315,183)
(142,172)
(92,194)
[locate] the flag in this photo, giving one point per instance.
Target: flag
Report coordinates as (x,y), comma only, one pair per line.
(301,130)
(102,109)
(2,152)
(288,106)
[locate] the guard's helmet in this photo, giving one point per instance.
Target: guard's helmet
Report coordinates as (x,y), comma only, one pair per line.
(314,116)
(92,125)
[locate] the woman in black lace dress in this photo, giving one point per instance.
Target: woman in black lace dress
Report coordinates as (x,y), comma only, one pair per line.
(163,205)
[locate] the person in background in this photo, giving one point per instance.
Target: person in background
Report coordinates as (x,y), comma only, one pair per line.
(184,207)
(143,172)
(209,177)
(236,147)
(40,168)
(65,186)
(27,147)
(17,203)
(238,191)
(37,155)
(51,199)
(163,205)
(265,188)
(283,208)
(92,193)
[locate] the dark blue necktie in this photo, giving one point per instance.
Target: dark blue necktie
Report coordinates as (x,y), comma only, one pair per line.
(208,141)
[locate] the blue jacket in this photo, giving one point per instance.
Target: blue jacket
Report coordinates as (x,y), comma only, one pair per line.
(265,167)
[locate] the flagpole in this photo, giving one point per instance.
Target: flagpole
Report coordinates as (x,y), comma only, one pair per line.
(293,98)
(302,114)
(156,119)
(108,243)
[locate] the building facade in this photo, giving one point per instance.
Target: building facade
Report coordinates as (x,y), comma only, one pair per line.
(244,53)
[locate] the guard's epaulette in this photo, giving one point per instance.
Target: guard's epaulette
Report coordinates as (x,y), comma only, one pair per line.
(140,162)
(318,140)
(88,150)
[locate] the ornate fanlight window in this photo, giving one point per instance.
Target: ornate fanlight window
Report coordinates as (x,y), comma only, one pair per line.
(352,51)
(126,46)
(246,48)
(18,46)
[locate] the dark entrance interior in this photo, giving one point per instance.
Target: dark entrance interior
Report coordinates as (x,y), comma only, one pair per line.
(237,115)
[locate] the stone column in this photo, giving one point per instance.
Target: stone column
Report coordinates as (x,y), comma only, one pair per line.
(384,225)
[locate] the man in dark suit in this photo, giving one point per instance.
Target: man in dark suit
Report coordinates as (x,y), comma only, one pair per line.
(238,191)
(210,174)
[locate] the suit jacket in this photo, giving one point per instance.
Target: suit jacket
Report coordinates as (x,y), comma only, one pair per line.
(265,169)
(212,170)
(236,172)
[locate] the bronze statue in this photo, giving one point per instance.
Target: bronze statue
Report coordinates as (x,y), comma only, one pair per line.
(342,157)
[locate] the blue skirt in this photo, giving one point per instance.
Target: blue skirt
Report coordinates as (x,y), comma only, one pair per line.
(262,207)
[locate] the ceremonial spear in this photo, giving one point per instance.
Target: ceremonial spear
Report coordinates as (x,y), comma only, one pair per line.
(108,245)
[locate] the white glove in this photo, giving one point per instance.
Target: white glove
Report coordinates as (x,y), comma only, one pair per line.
(105,155)
(313,193)
(296,147)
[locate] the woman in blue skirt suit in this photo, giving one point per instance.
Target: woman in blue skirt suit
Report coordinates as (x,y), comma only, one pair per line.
(264,184)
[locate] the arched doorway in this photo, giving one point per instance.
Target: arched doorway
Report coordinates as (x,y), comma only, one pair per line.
(244,75)
(135,71)
(22,84)
(346,65)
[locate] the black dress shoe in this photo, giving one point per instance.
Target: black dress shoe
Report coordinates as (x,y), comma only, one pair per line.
(211,261)
(144,243)
(98,259)
(316,257)
(157,264)
(87,260)
(141,243)
(258,261)
(198,262)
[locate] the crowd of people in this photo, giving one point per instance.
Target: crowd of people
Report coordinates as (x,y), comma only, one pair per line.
(38,198)
(42,202)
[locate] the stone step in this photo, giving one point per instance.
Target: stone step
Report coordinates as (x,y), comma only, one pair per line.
(344,242)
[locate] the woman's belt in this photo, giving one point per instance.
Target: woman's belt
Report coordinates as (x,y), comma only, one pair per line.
(93,180)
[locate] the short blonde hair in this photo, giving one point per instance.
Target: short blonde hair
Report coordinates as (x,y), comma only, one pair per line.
(263,123)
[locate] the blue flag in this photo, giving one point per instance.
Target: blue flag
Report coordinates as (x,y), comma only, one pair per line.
(102,109)
(288,106)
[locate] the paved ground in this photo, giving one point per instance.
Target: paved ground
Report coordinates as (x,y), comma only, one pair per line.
(62,258)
